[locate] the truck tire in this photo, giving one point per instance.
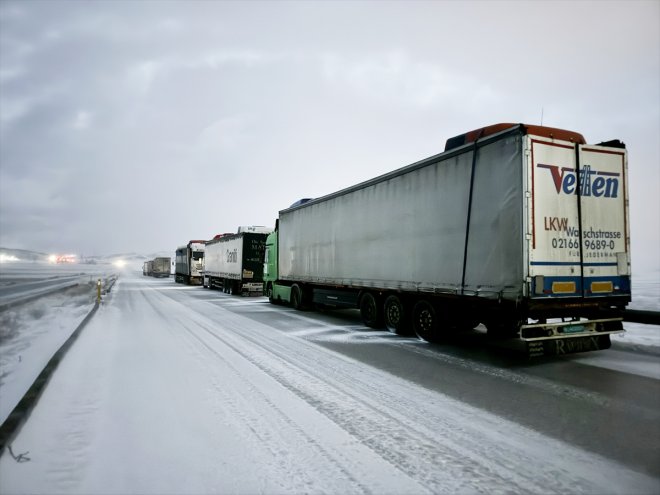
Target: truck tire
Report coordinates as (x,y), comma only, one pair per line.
(395,315)
(371,310)
(296,297)
(426,321)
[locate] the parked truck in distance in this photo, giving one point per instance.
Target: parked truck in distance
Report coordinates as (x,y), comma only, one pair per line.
(190,263)
(161,267)
(157,267)
(521,228)
(234,262)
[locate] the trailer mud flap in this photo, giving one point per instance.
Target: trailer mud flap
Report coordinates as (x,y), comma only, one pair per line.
(559,347)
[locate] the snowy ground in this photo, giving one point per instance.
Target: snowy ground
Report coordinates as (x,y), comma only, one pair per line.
(30,333)
(156,397)
(23,354)
(646,291)
(646,296)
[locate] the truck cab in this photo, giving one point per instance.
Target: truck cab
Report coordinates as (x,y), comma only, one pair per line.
(272,290)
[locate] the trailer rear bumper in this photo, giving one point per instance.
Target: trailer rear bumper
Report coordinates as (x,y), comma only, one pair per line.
(253,288)
(571,329)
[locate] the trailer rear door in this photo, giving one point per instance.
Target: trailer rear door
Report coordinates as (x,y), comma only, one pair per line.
(578,217)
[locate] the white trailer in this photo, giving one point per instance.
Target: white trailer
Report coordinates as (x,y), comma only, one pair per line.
(522,228)
(161,267)
(234,262)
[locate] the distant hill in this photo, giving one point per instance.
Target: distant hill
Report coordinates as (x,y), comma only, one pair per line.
(22,255)
(26,255)
(138,256)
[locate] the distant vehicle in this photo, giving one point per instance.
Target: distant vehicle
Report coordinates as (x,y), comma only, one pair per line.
(235,262)
(161,267)
(145,268)
(62,258)
(522,228)
(190,263)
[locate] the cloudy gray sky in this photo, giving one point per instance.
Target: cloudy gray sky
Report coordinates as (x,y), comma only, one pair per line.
(134,126)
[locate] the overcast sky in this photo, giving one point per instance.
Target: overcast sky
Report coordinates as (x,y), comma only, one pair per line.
(134,126)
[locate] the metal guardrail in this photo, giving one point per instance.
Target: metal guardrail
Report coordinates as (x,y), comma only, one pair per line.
(17,417)
(642,316)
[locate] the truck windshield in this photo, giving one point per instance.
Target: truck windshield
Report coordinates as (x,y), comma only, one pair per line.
(198,255)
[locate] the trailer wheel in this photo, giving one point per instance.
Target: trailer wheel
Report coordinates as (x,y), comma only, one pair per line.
(296,297)
(425,321)
(395,315)
(370,311)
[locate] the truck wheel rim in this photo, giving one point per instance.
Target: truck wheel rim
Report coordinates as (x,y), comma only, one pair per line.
(425,321)
(393,315)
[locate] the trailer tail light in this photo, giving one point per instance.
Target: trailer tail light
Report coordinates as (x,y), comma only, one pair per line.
(563,287)
(602,287)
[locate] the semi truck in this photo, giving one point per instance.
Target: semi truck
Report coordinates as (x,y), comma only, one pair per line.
(161,267)
(190,262)
(235,262)
(521,228)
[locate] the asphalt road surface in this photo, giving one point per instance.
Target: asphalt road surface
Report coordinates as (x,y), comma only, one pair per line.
(174,389)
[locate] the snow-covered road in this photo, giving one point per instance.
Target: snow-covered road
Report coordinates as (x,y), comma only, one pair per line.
(169,391)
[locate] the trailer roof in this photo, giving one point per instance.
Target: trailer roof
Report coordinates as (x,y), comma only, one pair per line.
(487,134)
(537,130)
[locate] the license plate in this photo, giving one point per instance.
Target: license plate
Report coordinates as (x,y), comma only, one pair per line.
(574,329)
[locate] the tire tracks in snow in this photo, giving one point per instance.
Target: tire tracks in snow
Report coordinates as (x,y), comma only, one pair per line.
(267,437)
(445,445)
(267,417)
(413,345)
